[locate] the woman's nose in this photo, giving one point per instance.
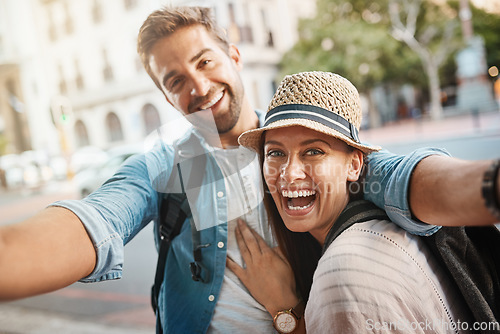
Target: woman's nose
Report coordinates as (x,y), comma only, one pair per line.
(293,170)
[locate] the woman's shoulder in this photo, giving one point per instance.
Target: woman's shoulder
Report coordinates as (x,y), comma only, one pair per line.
(374,234)
(376,247)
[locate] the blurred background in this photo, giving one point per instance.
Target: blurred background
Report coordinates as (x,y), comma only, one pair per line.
(75,102)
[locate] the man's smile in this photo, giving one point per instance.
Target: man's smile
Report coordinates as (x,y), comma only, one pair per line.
(213,101)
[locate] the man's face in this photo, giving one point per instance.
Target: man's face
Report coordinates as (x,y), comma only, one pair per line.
(196,74)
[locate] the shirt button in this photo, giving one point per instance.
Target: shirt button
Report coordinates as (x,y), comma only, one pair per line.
(211,298)
(220,194)
(220,244)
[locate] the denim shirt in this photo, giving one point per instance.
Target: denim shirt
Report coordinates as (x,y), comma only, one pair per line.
(128,201)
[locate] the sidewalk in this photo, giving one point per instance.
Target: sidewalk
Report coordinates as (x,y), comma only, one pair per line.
(411,130)
(18,320)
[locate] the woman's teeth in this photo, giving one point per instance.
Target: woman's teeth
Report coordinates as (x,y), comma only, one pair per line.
(295,208)
(293,195)
(299,193)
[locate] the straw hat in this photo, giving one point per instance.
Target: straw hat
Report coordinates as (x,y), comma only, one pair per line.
(321,101)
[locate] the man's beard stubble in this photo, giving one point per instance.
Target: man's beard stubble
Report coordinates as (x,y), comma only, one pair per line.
(225,121)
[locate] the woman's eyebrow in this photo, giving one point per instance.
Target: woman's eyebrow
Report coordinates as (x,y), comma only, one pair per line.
(305,142)
(314,140)
(272,142)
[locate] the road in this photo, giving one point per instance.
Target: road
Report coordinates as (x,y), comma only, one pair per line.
(122,306)
(464,136)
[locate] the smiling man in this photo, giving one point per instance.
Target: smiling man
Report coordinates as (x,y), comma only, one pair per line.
(191,61)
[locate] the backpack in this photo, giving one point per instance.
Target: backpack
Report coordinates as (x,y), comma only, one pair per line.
(173,211)
(470,255)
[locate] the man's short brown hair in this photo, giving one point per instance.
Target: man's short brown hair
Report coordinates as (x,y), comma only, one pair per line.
(166,21)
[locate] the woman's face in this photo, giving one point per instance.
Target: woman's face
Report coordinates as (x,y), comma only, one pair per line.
(307,172)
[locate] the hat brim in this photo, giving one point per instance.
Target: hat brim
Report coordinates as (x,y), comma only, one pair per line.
(252,138)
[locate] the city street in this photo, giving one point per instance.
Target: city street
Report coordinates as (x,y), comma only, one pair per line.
(122,306)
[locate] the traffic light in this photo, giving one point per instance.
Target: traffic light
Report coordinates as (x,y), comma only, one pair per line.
(61,110)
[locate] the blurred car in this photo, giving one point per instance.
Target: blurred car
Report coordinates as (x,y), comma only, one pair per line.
(12,171)
(36,170)
(87,157)
(91,178)
(59,167)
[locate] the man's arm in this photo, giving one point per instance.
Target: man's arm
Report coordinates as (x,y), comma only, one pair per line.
(427,188)
(49,251)
(447,191)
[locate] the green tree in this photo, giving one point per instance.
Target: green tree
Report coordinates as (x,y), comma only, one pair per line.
(487,25)
(352,39)
(431,31)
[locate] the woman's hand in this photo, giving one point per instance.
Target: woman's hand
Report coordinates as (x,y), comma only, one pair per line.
(267,274)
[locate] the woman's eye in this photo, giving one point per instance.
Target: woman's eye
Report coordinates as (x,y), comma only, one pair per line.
(274,154)
(314,151)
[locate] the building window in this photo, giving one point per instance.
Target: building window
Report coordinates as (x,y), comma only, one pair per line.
(107,70)
(96,12)
(114,127)
(267,28)
(129,4)
(246,33)
(82,137)
(79,78)
(150,118)
(238,33)
(233,30)
(52,27)
(63,87)
(68,24)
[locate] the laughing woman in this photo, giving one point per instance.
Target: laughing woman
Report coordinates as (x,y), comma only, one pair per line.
(374,277)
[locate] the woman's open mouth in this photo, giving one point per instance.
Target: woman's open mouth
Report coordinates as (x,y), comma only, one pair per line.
(299,201)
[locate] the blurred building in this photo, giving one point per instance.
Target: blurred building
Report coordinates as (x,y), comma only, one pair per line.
(80,80)
(15,82)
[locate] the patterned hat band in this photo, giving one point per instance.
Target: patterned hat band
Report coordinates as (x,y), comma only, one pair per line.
(313,113)
(321,101)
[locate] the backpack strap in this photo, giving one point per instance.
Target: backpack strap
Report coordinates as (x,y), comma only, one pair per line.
(471,256)
(355,212)
(174,209)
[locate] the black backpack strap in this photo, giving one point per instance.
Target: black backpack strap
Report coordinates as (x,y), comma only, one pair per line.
(355,212)
(471,256)
(173,211)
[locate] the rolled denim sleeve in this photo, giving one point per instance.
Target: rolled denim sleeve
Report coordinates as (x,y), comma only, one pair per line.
(387,185)
(115,213)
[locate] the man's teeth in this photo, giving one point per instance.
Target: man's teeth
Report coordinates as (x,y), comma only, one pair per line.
(213,101)
(299,193)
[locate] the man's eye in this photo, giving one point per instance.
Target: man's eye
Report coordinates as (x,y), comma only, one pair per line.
(205,62)
(175,83)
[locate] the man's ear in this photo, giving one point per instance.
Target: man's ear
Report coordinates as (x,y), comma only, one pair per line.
(355,165)
(234,54)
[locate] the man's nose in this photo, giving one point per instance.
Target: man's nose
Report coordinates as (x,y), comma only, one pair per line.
(200,86)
